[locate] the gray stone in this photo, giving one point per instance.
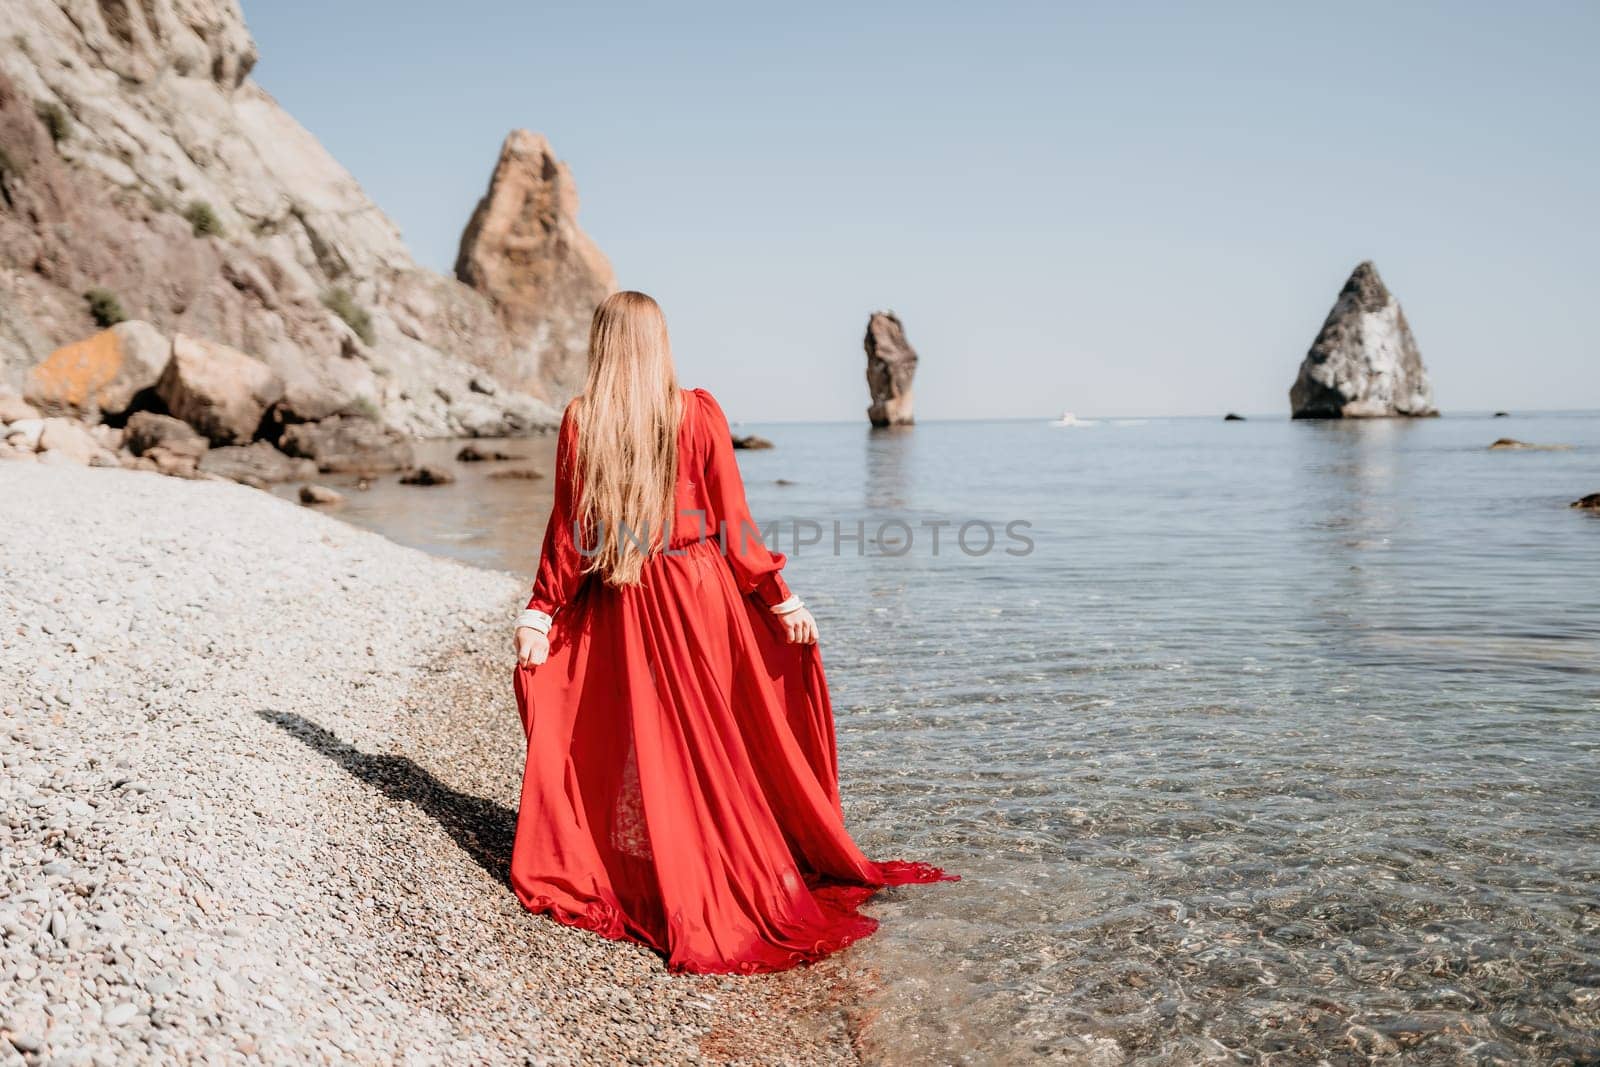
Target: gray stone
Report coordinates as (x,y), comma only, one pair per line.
(1364,363)
(119,1014)
(147,430)
(24,434)
(257,463)
(320,494)
(68,439)
(348,443)
(427,476)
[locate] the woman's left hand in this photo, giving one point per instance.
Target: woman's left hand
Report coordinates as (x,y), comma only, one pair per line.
(799,627)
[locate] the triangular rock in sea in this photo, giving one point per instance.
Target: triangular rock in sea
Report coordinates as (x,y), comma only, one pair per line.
(1364,362)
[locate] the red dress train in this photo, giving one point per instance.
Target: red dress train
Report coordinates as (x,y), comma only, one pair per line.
(682,789)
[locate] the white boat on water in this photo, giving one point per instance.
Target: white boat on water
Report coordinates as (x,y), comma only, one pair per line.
(1069,419)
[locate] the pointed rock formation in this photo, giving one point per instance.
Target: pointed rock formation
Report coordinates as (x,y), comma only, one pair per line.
(524,251)
(891,364)
(1364,363)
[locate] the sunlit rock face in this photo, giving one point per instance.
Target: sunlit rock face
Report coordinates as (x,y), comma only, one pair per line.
(524,251)
(891,365)
(1364,363)
(139,158)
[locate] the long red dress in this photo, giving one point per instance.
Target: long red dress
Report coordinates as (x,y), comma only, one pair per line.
(681,788)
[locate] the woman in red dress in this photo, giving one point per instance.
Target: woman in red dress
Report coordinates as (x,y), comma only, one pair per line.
(681,788)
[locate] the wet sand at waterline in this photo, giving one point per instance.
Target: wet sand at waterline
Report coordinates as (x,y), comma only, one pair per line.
(1284,742)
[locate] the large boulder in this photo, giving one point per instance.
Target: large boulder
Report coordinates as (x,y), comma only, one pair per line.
(257,464)
(524,251)
(218,390)
(147,430)
(891,364)
(102,374)
(1364,363)
(348,443)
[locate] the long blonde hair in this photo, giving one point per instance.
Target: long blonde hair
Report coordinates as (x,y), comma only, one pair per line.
(627,449)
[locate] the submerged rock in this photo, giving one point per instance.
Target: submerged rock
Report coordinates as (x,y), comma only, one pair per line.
(750,441)
(320,494)
(1588,503)
(348,443)
(474,454)
(427,476)
(1364,363)
(257,463)
(1231,417)
(1505,444)
(891,364)
(525,474)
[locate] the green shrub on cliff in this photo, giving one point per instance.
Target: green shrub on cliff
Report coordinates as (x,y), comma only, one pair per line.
(365,407)
(55,119)
(104,307)
(342,304)
(203,219)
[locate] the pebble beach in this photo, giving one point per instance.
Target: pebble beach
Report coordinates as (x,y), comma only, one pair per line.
(259,789)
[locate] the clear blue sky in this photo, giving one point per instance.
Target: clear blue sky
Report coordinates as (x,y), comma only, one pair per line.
(1109,208)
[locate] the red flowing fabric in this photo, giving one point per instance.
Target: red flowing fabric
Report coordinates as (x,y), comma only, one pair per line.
(682,787)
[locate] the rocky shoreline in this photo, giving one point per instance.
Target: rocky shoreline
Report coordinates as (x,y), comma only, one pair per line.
(260,775)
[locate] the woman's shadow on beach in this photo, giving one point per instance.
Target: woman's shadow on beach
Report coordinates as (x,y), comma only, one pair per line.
(482,828)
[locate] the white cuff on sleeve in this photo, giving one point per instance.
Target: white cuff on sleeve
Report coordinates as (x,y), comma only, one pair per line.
(534,620)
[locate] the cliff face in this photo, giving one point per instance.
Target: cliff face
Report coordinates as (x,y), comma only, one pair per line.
(138,158)
(524,251)
(1364,362)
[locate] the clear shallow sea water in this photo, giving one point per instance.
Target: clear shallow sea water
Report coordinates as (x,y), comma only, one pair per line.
(1283,744)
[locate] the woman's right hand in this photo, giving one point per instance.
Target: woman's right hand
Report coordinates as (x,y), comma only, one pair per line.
(799,627)
(533,647)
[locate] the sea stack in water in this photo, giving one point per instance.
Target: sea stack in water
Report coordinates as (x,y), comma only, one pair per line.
(891,364)
(524,251)
(1364,363)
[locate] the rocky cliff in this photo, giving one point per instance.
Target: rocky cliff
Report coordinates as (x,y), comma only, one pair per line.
(891,364)
(524,251)
(140,164)
(1364,362)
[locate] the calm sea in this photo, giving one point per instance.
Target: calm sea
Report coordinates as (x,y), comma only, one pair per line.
(1282,743)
